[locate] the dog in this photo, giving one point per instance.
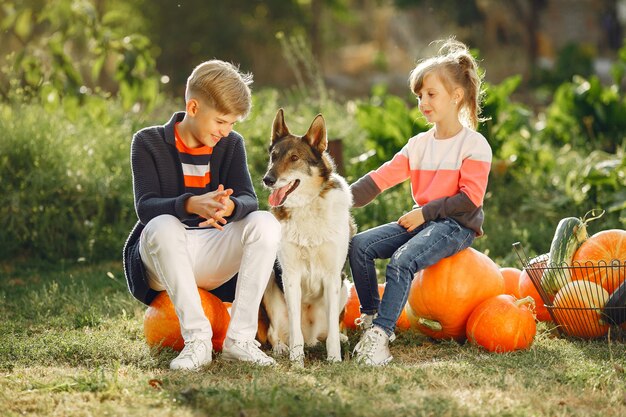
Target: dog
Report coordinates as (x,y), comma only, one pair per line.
(312,202)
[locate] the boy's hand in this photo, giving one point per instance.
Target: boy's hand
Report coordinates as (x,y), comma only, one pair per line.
(212,206)
(412,219)
(218,219)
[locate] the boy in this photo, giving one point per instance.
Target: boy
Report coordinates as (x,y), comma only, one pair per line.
(198,220)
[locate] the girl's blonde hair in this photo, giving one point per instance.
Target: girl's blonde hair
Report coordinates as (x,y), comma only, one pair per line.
(222,86)
(456,67)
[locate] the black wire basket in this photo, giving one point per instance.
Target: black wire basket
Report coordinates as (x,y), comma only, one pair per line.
(584,300)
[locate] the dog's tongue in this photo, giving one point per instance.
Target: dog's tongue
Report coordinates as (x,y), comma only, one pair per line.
(276,198)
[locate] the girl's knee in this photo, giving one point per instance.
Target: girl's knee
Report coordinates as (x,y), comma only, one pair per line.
(358,244)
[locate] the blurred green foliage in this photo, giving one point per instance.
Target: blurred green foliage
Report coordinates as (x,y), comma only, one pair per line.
(60,49)
(66,187)
(66,190)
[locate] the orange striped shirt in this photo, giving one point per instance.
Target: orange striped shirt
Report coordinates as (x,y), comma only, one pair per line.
(196,165)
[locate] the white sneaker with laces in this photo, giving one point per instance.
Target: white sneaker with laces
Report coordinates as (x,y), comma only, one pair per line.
(373,348)
(365,321)
(194,355)
(247,351)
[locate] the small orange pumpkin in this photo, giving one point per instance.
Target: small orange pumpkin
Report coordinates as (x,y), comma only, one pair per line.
(352,310)
(443,295)
(162,328)
(526,289)
(511,281)
(503,324)
(605,246)
(578,307)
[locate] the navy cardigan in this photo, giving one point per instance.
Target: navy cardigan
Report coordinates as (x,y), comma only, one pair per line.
(158,188)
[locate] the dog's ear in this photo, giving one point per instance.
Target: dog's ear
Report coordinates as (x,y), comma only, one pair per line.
(279,128)
(316,135)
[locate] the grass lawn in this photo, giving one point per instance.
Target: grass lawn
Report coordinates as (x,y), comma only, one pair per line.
(71,344)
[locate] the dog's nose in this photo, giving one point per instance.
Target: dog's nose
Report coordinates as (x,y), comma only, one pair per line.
(269,180)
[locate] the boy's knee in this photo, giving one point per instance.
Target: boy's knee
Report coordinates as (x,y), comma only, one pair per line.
(265,227)
(161,227)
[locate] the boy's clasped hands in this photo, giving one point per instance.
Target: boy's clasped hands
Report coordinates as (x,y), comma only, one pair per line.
(213,206)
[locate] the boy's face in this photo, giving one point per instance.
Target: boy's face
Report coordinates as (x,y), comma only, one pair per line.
(208,125)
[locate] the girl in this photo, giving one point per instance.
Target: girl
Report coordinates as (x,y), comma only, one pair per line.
(448,166)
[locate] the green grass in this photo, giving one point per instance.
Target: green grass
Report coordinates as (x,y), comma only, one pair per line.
(71,344)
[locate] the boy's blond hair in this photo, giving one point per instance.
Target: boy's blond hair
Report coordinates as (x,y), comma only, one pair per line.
(222,86)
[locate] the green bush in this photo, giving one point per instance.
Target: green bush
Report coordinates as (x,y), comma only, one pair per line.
(67,192)
(66,189)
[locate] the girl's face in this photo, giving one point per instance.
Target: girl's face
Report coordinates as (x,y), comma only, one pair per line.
(436,103)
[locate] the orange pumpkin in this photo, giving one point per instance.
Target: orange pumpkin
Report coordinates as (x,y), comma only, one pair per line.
(443,295)
(503,323)
(511,281)
(162,328)
(352,310)
(605,246)
(527,288)
(578,307)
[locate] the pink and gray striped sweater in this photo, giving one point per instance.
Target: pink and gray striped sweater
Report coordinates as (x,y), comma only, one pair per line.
(448,176)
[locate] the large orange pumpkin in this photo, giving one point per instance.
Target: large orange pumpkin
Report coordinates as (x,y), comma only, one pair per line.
(503,323)
(511,281)
(162,328)
(443,295)
(578,307)
(605,246)
(352,310)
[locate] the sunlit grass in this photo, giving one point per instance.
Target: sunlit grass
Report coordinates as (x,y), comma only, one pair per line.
(72,344)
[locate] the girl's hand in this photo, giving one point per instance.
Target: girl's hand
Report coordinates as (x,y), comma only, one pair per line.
(412,219)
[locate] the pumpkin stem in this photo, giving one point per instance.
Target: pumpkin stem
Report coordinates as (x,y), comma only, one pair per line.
(431,324)
(593,213)
(526,300)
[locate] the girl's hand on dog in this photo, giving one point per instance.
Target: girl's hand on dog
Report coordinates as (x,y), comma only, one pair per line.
(411,220)
(213,207)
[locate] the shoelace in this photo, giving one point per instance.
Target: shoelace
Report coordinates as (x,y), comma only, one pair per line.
(189,351)
(253,350)
(369,344)
(367,347)
(361,320)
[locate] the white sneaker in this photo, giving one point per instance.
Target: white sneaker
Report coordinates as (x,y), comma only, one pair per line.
(194,355)
(373,348)
(365,321)
(247,351)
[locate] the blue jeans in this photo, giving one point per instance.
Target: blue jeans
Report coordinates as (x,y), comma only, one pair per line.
(409,252)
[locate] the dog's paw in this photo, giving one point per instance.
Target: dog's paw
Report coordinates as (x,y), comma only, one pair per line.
(296,356)
(333,359)
(343,338)
(280,349)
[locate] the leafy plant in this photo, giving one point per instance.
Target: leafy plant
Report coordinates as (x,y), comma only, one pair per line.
(587,115)
(67,49)
(66,191)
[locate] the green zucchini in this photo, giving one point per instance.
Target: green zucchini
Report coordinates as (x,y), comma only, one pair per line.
(570,233)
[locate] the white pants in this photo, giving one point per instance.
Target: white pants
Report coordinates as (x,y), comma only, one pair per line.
(179,260)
